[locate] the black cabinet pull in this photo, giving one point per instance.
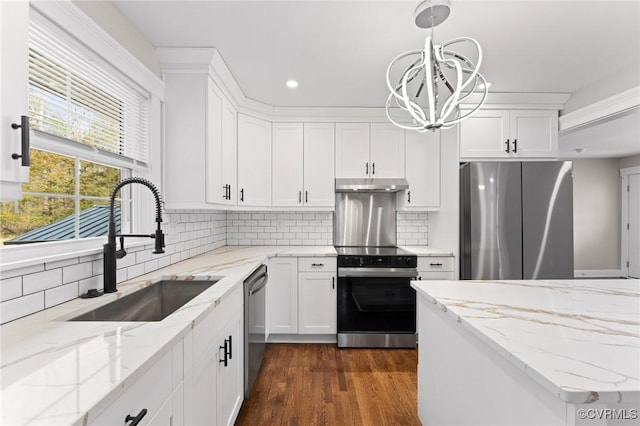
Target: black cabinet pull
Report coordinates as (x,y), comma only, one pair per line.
(366,169)
(135,420)
(225,360)
(227,194)
(242,195)
(24,126)
(230,348)
(515,146)
(435,264)
(507,150)
(409,197)
(333,283)
(306,197)
(299,197)
(373,168)
(317,264)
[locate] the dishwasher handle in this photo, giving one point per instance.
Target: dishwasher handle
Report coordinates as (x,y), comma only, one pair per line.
(259,284)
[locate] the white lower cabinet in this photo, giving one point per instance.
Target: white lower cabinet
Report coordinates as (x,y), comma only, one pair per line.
(282,295)
(214,385)
(317,309)
(150,392)
(230,374)
(302,295)
(436,268)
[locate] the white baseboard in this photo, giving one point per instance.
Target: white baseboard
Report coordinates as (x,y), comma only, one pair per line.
(597,273)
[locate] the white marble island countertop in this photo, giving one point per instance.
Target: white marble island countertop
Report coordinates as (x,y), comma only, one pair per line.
(580,339)
(55,372)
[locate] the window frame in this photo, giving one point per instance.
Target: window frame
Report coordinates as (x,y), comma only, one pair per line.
(78,26)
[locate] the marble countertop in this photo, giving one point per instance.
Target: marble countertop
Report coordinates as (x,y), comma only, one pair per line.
(427,251)
(54,372)
(580,339)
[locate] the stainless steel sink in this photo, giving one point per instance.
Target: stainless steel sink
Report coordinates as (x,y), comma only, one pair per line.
(153,303)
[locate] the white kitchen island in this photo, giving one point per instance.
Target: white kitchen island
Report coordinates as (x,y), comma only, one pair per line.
(552,352)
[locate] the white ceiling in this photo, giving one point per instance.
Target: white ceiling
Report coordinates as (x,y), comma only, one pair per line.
(611,137)
(339,50)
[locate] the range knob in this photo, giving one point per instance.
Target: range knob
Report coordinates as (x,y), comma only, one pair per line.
(408,261)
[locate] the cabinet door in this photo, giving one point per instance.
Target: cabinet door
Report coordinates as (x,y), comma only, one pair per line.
(171,411)
(317,304)
(254,161)
(352,150)
(230,377)
(229,150)
(215,190)
(200,389)
(387,151)
(319,163)
(422,170)
(534,133)
(14,80)
(485,134)
(282,295)
(287,164)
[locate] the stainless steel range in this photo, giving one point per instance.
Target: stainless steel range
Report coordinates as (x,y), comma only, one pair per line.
(376,304)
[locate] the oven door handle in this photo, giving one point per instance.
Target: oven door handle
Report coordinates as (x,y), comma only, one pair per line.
(377,272)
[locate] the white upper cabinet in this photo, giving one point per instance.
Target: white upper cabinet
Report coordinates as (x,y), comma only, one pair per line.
(221,148)
(254,161)
(319,165)
(387,151)
(510,134)
(303,165)
(288,173)
(422,167)
(534,133)
(352,150)
(14,80)
(366,150)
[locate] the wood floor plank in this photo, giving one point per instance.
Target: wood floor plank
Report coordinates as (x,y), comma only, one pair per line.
(319,384)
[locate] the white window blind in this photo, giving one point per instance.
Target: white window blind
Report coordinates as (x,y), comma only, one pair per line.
(75,97)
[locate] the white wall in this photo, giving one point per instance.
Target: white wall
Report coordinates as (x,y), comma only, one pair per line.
(113,22)
(596,204)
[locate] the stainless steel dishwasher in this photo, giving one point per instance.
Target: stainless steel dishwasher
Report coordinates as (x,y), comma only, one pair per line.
(254,325)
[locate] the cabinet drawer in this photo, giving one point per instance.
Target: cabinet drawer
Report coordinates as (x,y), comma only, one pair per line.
(317,264)
(436,275)
(149,391)
(435,263)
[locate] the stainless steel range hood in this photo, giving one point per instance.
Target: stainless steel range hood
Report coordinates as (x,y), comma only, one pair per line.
(371,185)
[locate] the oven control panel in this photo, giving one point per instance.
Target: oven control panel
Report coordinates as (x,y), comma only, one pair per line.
(378,261)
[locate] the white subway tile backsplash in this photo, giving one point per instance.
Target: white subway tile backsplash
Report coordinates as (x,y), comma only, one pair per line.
(21,271)
(187,234)
(22,306)
(40,281)
(61,294)
(10,288)
(77,272)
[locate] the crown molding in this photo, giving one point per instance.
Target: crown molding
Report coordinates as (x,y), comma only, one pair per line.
(602,109)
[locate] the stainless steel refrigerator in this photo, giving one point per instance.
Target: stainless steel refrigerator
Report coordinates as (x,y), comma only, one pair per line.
(516,220)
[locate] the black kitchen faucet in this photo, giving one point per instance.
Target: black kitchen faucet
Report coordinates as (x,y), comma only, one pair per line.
(110,252)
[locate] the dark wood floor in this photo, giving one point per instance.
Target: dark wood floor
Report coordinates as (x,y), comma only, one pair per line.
(316,384)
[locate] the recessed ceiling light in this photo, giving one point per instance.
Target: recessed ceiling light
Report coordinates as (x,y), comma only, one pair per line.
(292,84)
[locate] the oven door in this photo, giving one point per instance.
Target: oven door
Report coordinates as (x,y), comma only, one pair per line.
(376,301)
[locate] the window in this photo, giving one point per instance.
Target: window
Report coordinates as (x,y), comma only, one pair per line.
(90,130)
